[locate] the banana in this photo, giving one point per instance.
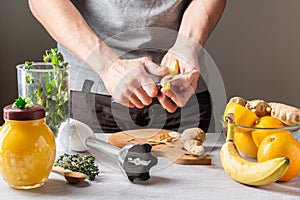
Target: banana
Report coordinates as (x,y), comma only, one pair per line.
(248,172)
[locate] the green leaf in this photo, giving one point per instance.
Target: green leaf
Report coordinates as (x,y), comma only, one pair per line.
(29,79)
(28,65)
(55,57)
(46,58)
(49,88)
(39,91)
(54,98)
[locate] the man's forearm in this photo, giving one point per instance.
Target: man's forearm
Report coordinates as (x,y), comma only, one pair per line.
(66,25)
(200,19)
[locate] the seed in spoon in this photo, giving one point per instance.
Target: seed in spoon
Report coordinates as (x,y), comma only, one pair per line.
(70,176)
(74,177)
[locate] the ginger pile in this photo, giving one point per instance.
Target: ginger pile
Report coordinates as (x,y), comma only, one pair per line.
(287,114)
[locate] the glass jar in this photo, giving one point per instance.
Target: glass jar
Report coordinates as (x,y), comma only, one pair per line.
(27,147)
(48,87)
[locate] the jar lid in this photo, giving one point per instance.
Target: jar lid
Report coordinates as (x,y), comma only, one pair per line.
(12,113)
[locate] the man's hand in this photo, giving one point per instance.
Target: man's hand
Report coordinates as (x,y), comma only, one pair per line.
(129,83)
(183,88)
(198,21)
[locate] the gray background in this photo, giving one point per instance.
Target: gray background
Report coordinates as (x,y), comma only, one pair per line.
(256,46)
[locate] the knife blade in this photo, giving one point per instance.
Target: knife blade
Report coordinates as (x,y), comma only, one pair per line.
(177,76)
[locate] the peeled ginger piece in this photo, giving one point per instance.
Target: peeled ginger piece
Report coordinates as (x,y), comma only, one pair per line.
(173,67)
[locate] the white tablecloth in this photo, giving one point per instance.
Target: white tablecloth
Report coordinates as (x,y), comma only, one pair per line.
(168,181)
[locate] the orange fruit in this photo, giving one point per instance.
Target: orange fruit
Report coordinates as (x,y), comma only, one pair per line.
(266,122)
(242,137)
(245,144)
(242,116)
(281,144)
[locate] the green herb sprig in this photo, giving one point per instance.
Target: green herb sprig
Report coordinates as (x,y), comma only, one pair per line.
(23,102)
(51,90)
(28,66)
(55,57)
(79,163)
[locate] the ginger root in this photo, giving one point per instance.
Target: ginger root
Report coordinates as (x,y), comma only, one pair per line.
(288,115)
(238,100)
(193,134)
(259,107)
(194,147)
(192,140)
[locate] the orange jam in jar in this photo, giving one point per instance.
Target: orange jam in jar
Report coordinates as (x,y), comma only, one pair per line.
(27,147)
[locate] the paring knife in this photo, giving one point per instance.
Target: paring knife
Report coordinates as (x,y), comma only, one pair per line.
(177,76)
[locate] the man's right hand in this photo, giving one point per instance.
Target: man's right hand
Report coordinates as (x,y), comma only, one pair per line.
(129,83)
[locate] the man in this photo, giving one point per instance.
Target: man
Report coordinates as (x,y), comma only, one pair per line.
(119,49)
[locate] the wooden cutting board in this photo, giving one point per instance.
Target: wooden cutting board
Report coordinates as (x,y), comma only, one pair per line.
(173,150)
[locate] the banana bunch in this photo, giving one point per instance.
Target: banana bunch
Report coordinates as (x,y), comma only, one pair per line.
(247,172)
